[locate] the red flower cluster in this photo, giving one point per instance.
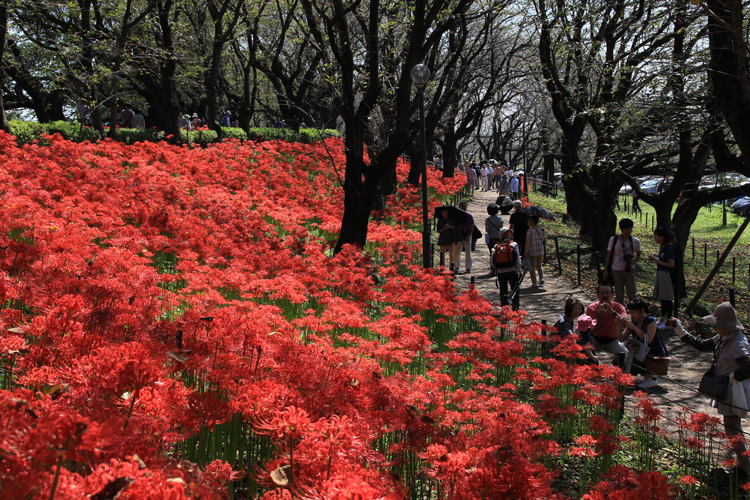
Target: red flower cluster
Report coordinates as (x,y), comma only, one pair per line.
(174,325)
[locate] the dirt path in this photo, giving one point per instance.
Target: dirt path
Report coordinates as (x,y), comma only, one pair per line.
(675,391)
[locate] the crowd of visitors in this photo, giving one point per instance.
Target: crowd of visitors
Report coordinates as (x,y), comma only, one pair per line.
(630,333)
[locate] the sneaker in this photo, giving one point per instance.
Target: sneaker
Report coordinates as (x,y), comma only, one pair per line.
(541,282)
(468,271)
(648,383)
(534,285)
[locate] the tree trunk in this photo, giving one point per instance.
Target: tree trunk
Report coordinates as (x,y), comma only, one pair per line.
(3,30)
(728,68)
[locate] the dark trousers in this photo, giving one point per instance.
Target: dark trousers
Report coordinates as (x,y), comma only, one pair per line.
(508,280)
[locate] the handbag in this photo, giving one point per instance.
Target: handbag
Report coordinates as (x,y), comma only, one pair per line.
(658,365)
(714,386)
(641,351)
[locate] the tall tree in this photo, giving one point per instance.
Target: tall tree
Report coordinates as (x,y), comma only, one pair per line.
(3,32)
(354,35)
(593,56)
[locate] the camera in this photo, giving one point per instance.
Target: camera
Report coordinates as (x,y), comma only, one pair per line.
(628,257)
(670,322)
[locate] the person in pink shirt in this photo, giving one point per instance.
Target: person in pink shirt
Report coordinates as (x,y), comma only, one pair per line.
(606,334)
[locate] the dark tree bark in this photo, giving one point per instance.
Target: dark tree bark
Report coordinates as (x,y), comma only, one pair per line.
(3,30)
(331,24)
(224,12)
(728,71)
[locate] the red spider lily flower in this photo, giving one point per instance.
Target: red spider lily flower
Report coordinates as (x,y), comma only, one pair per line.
(688,480)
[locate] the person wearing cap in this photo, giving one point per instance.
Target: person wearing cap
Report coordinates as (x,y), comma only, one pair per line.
(731,359)
(605,334)
(226,120)
(492,226)
(465,230)
(195,122)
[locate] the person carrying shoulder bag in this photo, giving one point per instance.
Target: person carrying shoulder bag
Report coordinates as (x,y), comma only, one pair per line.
(731,360)
(622,254)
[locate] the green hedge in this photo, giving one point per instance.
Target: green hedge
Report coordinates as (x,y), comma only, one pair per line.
(27,132)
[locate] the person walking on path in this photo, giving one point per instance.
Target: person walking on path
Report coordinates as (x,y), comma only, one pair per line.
(731,359)
(498,172)
(519,223)
(490,174)
(504,186)
(447,236)
(514,186)
(535,250)
(623,252)
(606,334)
(471,179)
(508,272)
(665,262)
(464,230)
(492,226)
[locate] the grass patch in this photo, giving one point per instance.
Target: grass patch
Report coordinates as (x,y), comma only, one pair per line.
(708,235)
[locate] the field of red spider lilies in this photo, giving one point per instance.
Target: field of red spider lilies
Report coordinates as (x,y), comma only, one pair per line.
(174,325)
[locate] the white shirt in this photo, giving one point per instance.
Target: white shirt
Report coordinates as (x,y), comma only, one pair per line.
(618,252)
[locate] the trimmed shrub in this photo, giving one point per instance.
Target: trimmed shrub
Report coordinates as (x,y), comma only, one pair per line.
(28,132)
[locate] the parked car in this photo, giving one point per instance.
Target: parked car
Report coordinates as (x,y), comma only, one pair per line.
(741,206)
(652,186)
(625,189)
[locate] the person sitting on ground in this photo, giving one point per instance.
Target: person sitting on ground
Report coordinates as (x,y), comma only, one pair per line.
(643,328)
(605,335)
(492,226)
(566,326)
(584,325)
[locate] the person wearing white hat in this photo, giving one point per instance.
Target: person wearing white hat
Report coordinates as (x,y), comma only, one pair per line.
(195,122)
(731,359)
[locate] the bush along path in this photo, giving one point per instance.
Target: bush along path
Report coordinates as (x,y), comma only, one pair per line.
(676,401)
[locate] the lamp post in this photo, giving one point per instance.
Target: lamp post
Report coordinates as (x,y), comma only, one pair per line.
(419,75)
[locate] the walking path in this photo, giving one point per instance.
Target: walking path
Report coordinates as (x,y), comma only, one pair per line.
(675,391)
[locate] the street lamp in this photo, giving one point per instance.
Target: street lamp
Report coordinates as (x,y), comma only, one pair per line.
(419,75)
